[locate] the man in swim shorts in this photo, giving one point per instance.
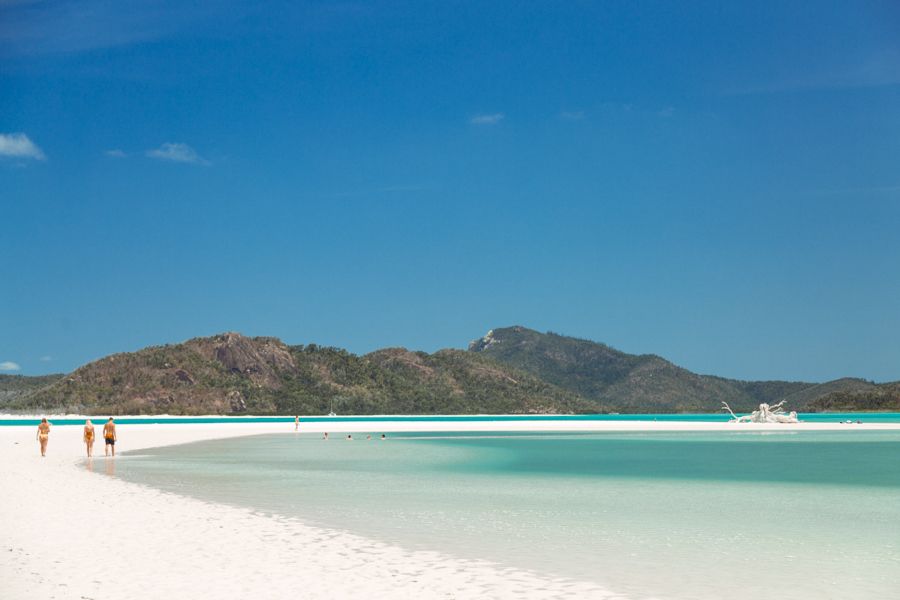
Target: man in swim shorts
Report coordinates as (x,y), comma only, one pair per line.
(109,434)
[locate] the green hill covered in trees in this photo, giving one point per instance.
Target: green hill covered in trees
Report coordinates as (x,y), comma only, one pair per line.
(510,370)
(648,383)
(234,374)
(13,387)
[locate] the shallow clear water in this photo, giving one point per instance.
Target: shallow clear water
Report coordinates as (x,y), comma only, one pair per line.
(687,515)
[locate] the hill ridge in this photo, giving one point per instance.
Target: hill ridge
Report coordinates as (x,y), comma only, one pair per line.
(508,370)
(232,373)
(647,382)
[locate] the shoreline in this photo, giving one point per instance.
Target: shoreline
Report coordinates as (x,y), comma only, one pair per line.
(423,423)
(68,531)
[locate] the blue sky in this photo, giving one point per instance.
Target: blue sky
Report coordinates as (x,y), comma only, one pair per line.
(719,185)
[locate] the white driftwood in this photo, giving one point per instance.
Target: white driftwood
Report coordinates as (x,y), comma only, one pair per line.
(765,414)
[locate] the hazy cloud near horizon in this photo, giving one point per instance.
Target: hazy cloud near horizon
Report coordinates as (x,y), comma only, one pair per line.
(9,365)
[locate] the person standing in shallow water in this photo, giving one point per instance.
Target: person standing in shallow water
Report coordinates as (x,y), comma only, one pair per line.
(296,423)
(109,436)
(89,437)
(43,435)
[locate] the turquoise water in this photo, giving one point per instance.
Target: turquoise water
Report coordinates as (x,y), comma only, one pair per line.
(688,515)
(871,417)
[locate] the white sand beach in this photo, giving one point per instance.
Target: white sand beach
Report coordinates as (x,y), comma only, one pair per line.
(69,531)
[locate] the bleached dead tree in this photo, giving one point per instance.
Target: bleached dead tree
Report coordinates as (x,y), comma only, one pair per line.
(735,418)
(765,414)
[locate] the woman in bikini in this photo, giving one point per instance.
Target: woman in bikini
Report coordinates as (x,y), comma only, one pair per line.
(43,434)
(89,437)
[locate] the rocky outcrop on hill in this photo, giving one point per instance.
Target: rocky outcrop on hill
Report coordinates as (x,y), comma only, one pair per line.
(260,359)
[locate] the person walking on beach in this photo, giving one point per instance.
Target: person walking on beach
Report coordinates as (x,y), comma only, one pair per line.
(43,434)
(89,437)
(109,435)
(296,423)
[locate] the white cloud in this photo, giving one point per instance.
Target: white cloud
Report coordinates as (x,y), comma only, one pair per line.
(17,145)
(572,115)
(115,153)
(668,111)
(46,358)
(177,152)
(491,119)
(9,366)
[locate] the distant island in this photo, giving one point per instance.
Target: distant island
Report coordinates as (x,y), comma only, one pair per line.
(512,370)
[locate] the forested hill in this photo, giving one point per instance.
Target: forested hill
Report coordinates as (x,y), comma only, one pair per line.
(648,383)
(510,370)
(234,374)
(17,386)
